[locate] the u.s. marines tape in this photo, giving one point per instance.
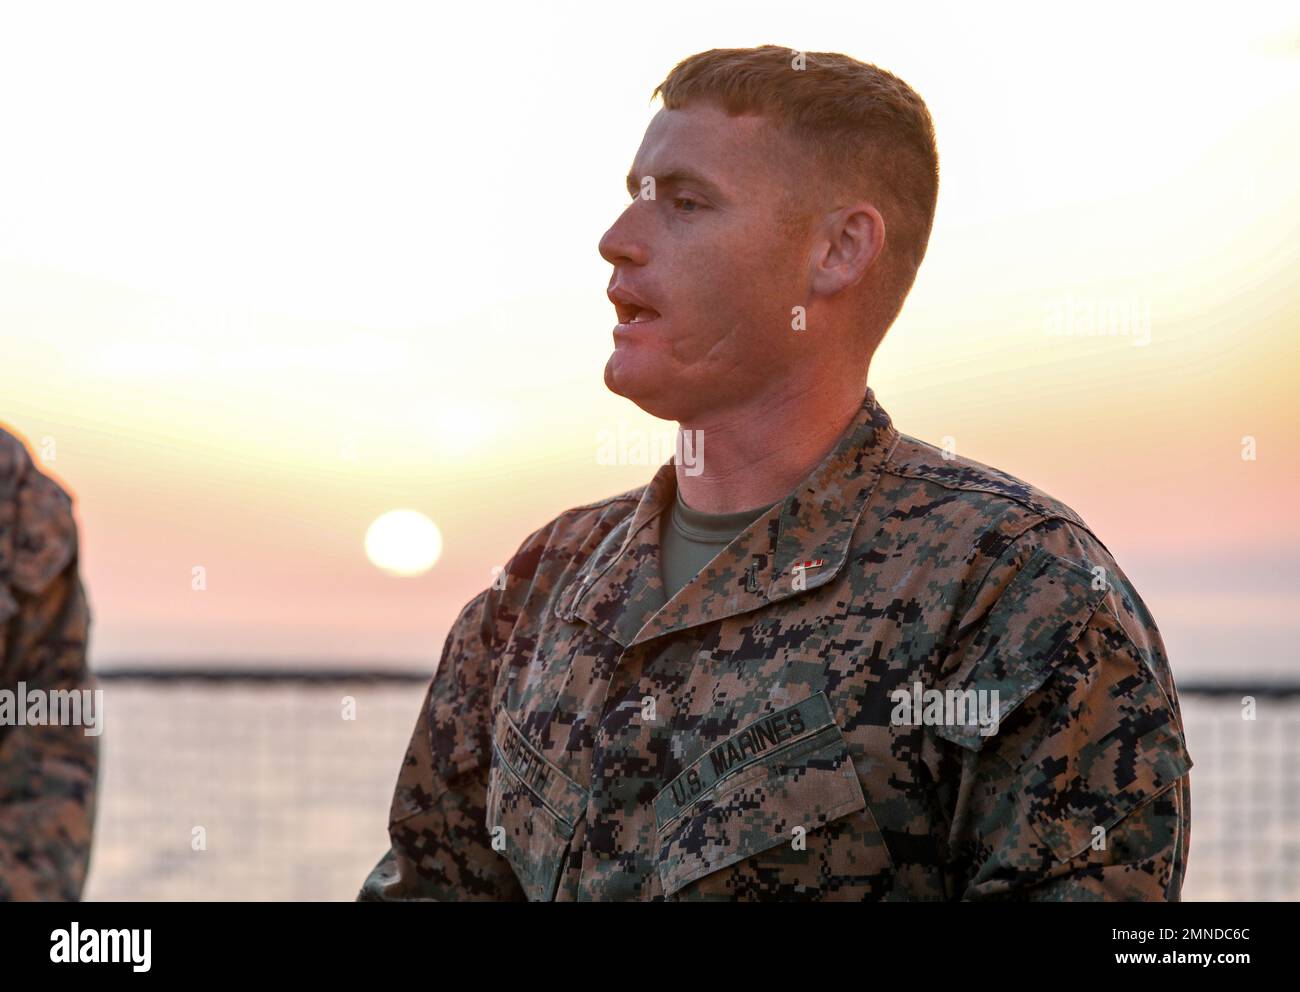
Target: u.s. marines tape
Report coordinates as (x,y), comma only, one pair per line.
(761,737)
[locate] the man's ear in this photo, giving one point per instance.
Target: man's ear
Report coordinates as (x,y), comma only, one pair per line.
(849,241)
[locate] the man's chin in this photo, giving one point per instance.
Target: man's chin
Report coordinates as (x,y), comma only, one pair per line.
(650,389)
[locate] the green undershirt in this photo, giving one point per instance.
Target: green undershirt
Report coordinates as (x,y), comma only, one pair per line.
(690,539)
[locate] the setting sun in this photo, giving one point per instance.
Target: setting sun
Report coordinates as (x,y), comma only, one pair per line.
(403,542)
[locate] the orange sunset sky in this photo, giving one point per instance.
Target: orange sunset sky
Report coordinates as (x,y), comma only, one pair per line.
(297,268)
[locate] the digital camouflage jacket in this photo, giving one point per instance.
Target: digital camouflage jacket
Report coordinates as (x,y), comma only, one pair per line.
(47,772)
(813,716)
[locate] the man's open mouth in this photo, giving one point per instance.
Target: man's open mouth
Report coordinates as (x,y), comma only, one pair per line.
(636,315)
(630,308)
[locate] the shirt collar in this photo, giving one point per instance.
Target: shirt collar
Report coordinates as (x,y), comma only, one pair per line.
(619,590)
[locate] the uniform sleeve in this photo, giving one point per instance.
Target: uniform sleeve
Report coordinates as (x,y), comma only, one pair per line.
(441,848)
(47,772)
(1083,791)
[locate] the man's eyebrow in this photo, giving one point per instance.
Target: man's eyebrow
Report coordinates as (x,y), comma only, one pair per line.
(675,177)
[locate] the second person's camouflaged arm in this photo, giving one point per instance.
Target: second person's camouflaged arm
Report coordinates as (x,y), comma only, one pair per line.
(1083,794)
(47,772)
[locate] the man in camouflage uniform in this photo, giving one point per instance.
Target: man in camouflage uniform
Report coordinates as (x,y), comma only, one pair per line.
(47,772)
(898,675)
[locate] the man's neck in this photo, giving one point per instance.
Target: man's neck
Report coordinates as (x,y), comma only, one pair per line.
(754,455)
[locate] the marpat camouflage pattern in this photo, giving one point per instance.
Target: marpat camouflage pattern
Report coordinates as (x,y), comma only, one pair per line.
(47,773)
(741,742)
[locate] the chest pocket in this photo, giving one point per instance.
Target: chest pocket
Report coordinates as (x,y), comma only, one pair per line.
(775,811)
(533,809)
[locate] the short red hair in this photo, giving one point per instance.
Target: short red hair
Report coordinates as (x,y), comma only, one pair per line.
(869,131)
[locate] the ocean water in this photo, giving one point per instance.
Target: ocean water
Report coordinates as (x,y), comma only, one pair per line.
(246,791)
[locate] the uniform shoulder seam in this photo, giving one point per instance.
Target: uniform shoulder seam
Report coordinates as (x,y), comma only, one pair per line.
(1045,508)
(547,531)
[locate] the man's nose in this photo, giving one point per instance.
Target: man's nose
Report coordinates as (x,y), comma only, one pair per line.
(621,244)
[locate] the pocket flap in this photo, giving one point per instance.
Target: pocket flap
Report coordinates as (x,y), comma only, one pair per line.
(563,796)
(789,769)
(535,805)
